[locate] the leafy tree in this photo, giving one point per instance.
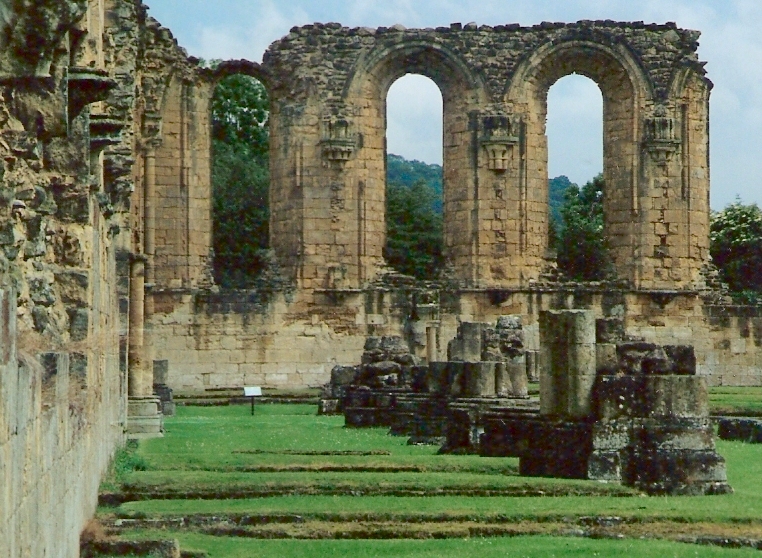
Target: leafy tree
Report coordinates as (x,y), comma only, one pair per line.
(735,235)
(403,172)
(240,180)
(413,230)
(240,111)
(581,246)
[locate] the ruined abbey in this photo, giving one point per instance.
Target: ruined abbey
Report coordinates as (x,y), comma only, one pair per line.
(105,221)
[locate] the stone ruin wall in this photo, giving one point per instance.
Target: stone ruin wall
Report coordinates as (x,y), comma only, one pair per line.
(218,340)
(327,86)
(77,82)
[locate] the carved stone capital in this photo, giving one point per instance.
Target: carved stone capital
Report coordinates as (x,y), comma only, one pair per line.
(499,136)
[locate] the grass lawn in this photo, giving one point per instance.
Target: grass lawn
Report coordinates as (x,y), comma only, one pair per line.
(736,400)
(492,547)
(312,467)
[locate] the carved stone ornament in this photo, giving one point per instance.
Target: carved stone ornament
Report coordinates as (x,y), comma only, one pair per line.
(338,141)
(498,139)
(660,141)
(87,86)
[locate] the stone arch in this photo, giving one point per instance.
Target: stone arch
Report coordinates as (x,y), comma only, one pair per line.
(365,97)
(221,262)
(626,92)
(328,176)
(243,67)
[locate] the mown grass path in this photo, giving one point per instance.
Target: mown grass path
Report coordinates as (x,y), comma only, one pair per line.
(221,479)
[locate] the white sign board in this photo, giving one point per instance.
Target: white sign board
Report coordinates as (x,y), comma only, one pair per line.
(252,391)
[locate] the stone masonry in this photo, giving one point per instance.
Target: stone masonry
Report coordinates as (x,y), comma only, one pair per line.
(327,86)
(63,395)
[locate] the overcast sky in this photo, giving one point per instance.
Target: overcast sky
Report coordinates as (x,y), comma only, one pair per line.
(731,43)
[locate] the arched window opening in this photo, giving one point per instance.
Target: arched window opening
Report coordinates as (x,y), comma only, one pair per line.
(575,165)
(240,180)
(414,237)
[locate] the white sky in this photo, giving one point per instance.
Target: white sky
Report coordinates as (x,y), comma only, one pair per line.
(731,43)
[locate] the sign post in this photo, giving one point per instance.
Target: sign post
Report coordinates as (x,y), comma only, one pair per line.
(252,392)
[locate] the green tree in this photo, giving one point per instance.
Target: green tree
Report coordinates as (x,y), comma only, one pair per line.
(240,180)
(413,230)
(240,111)
(581,245)
(735,235)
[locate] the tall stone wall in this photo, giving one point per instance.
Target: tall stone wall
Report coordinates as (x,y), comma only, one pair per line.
(328,86)
(67,145)
(60,421)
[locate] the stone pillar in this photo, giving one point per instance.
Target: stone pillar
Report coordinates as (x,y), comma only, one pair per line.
(516,369)
(149,214)
(502,381)
(431,344)
(135,355)
(567,351)
(144,419)
(480,379)
(532,365)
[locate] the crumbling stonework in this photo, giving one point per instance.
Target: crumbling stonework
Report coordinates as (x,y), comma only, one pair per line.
(62,396)
(105,233)
(328,86)
(614,410)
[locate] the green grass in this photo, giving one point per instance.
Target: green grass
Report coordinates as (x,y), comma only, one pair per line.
(202,452)
(497,547)
(736,400)
(211,438)
(213,433)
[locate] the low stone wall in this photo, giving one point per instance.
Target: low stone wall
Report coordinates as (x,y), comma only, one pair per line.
(229,339)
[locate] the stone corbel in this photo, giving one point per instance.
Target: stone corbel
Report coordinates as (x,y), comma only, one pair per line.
(87,86)
(660,141)
(338,141)
(104,132)
(498,140)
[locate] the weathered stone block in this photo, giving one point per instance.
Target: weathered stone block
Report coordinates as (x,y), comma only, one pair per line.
(605,466)
(609,330)
(619,397)
(677,396)
(612,435)
(606,359)
(516,371)
(480,379)
(631,355)
(744,429)
(438,377)
(557,449)
(679,472)
(343,375)
(676,434)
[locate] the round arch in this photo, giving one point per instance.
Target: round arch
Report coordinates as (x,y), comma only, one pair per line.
(626,92)
(463,91)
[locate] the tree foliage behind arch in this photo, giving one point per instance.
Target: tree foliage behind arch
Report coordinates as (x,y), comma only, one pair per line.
(240,180)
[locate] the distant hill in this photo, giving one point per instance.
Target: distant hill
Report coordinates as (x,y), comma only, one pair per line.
(556,188)
(405,172)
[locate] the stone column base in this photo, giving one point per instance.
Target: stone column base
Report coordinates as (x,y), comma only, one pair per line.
(144,418)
